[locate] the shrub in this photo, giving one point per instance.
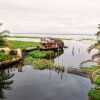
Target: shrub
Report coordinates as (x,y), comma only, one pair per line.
(94,94)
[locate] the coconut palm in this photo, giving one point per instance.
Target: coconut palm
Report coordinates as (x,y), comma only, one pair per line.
(3,36)
(98,33)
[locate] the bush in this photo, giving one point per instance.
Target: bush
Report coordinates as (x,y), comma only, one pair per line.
(94,94)
(4,56)
(97,81)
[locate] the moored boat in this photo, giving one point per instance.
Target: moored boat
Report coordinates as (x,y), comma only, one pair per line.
(49,43)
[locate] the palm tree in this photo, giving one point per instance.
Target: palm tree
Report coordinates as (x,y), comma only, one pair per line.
(3,36)
(98,33)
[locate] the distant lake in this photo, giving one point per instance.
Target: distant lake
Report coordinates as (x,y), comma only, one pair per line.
(75,36)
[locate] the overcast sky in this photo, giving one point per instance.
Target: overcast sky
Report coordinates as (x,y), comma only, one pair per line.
(52,16)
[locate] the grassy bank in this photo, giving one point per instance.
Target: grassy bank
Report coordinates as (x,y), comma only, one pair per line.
(23,44)
(94,93)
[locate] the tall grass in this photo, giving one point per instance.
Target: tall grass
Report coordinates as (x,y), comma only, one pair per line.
(23,44)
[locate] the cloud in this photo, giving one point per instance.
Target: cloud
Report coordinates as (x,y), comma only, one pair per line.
(55,16)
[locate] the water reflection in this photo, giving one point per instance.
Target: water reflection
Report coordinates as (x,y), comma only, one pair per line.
(5,82)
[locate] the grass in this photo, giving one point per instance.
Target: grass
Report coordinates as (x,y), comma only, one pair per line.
(39,54)
(24,37)
(23,44)
(4,56)
(87,39)
(94,94)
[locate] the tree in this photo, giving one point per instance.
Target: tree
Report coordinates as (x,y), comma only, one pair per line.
(3,36)
(98,33)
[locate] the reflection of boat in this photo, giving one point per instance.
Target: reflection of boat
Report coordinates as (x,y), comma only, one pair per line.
(49,43)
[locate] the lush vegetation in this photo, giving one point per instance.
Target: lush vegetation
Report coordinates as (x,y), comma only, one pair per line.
(38,63)
(4,56)
(42,64)
(40,54)
(23,44)
(94,94)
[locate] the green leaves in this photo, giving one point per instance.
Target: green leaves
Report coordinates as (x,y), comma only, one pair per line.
(4,56)
(39,54)
(97,81)
(94,94)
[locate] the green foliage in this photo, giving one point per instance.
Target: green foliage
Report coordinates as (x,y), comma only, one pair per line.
(98,34)
(39,54)
(97,81)
(38,63)
(42,64)
(94,94)
(23,44)
(4,56)
(4,42)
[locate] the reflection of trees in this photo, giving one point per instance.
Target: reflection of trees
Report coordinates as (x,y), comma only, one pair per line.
(95,57)
(5,82)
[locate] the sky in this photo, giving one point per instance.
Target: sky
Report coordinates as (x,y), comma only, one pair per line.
(50,16)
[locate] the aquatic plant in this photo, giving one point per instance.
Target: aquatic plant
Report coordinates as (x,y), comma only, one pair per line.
(40,54)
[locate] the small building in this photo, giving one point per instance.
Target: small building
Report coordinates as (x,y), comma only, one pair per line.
(51,43)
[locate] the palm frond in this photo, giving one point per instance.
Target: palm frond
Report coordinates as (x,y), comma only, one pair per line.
(81,64)
(4,36)
(3,32)
(95,56)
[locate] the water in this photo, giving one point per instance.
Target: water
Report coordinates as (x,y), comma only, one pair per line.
(30,84)
(46,85)
(73,36)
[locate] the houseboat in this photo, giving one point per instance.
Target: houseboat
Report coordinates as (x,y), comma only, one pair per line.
(49,43)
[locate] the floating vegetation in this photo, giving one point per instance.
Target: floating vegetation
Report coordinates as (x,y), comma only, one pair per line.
(42,64)
(40,54)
